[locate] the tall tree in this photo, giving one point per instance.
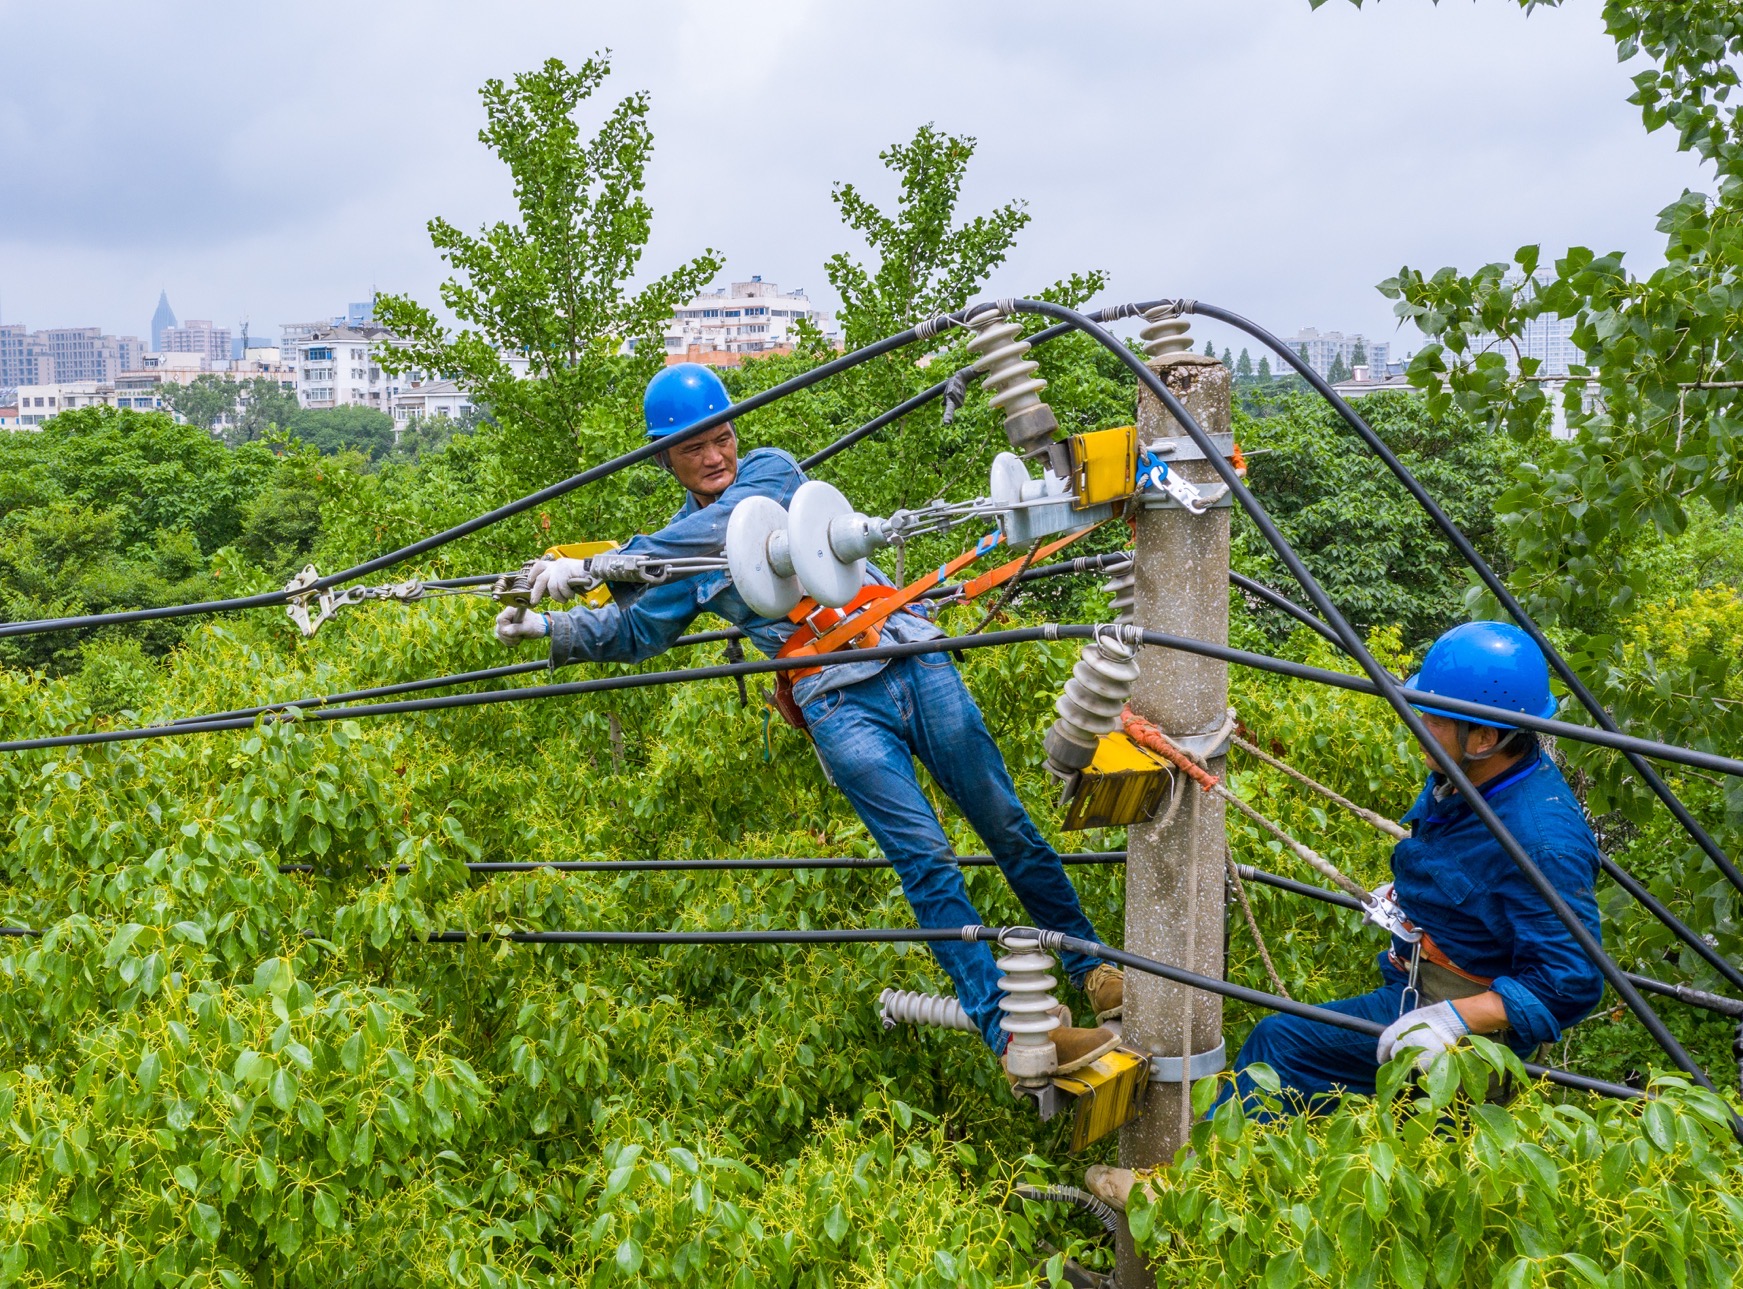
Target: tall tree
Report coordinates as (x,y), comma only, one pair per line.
(1359,355)
(263,405)
(203,401)
(1228,359)
(1264,367)
(554,286)
(1337,371)
(926,263)
(1244,365)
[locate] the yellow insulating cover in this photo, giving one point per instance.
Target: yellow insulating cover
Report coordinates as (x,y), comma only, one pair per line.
(1124,784)
(1104,465)
(1108,1093)
(599,596)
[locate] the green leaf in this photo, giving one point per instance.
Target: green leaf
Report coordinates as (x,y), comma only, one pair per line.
(1588,1270)
(1659,1123)
(628,1257)
(205,1222)
(835,1225)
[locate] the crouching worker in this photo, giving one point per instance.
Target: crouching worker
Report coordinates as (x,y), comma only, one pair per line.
(1494,958)
(869,720)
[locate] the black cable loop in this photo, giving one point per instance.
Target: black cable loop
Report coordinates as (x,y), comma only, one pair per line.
(1390,688)
(1480,566)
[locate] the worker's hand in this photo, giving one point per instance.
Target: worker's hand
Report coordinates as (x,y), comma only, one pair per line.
(1430,1030)
(515,624)
(562,579)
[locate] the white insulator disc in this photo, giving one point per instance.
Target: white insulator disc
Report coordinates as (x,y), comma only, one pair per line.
(1008,477)
(754,520)
(826,577)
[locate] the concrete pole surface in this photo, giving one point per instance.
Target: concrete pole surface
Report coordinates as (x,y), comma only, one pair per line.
(1174,868)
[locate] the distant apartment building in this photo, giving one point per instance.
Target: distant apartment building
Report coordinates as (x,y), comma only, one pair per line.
(433,400)
(39,403)
(1321,348)
(746,318)
(25,358)
(197,336)
(63,354)
(335,365)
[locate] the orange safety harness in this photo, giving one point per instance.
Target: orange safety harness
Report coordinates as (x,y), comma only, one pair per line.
(856,625)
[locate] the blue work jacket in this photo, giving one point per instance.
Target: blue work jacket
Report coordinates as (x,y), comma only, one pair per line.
(643,621)
(1452,879)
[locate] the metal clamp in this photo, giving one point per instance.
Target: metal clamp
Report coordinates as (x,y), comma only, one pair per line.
(1183,448)
(1166,1069)
(1208,744)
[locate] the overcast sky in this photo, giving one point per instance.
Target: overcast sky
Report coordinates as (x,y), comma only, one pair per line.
(274,162)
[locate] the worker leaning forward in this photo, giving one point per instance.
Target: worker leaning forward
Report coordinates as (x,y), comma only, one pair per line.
(869,720)
(1493,958)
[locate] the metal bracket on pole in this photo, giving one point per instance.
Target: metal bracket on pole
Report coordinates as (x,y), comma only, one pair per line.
(1166,1069)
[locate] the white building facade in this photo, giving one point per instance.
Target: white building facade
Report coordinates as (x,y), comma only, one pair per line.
(336,367)
(744,318)
(1320,348)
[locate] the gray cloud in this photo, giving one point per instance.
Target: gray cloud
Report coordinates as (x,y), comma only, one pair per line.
(276,163)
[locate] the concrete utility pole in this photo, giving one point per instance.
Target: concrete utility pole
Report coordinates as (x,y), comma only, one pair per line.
(1174,871)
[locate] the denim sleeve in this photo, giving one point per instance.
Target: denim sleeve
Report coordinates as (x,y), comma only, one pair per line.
(615,633)
(1552,984)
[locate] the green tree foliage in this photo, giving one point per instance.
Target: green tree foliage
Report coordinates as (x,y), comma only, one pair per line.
(926,265)
(1359,355)
(554,287)
(264,406)
(1244,366)
(205,401)
(1337,371)
(1264,372)
(1411,1190)
(332,430)
(1367,541)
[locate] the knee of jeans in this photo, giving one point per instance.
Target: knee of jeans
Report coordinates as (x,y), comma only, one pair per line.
(1269,1039)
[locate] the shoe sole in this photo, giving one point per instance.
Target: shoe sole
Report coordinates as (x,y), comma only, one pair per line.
(1091,1057)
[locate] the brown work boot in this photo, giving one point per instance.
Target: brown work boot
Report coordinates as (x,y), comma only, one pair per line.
(1078,1047)
(1106,987)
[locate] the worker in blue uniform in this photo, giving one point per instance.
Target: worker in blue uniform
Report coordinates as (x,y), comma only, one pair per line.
(1494,958)
(869,720)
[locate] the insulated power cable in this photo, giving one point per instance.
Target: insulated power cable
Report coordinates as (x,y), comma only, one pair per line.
(992,639)
(1480,566)
(1280,602)
(1390,688)
(424,545)
(778,863)
(1082,564)
(1686,994)
(1053,941)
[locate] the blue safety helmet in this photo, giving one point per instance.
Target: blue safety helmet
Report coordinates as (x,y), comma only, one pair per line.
(680,396)
(1494,663)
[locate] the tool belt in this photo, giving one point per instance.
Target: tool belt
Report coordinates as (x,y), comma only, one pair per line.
(1438,978)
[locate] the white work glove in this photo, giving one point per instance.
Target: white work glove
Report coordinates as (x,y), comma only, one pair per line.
(1430,1030)
(515,624)
(562,579)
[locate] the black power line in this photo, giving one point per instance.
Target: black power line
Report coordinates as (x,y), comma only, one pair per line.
(1480,566)
(1390,688)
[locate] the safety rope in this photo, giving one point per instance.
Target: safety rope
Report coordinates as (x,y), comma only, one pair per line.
(1240,890)
(1378,821)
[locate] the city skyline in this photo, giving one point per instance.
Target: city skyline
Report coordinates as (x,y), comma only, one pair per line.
(1415,184)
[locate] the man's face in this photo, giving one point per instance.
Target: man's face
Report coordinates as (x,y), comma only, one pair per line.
(1446,732)
(707,464)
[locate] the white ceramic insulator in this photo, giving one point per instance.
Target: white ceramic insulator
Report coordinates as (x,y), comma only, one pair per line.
(1164,333)
(1001,356)
(780,553)
(1122,585)
(941,1011)
(1026,998)
(1099,689)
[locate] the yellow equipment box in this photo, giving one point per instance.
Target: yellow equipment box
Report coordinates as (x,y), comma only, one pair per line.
(599,596)
(1124,784)
(1104,465)
(1107,1093)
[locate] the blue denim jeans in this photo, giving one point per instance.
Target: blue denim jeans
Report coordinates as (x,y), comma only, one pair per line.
(869,734)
